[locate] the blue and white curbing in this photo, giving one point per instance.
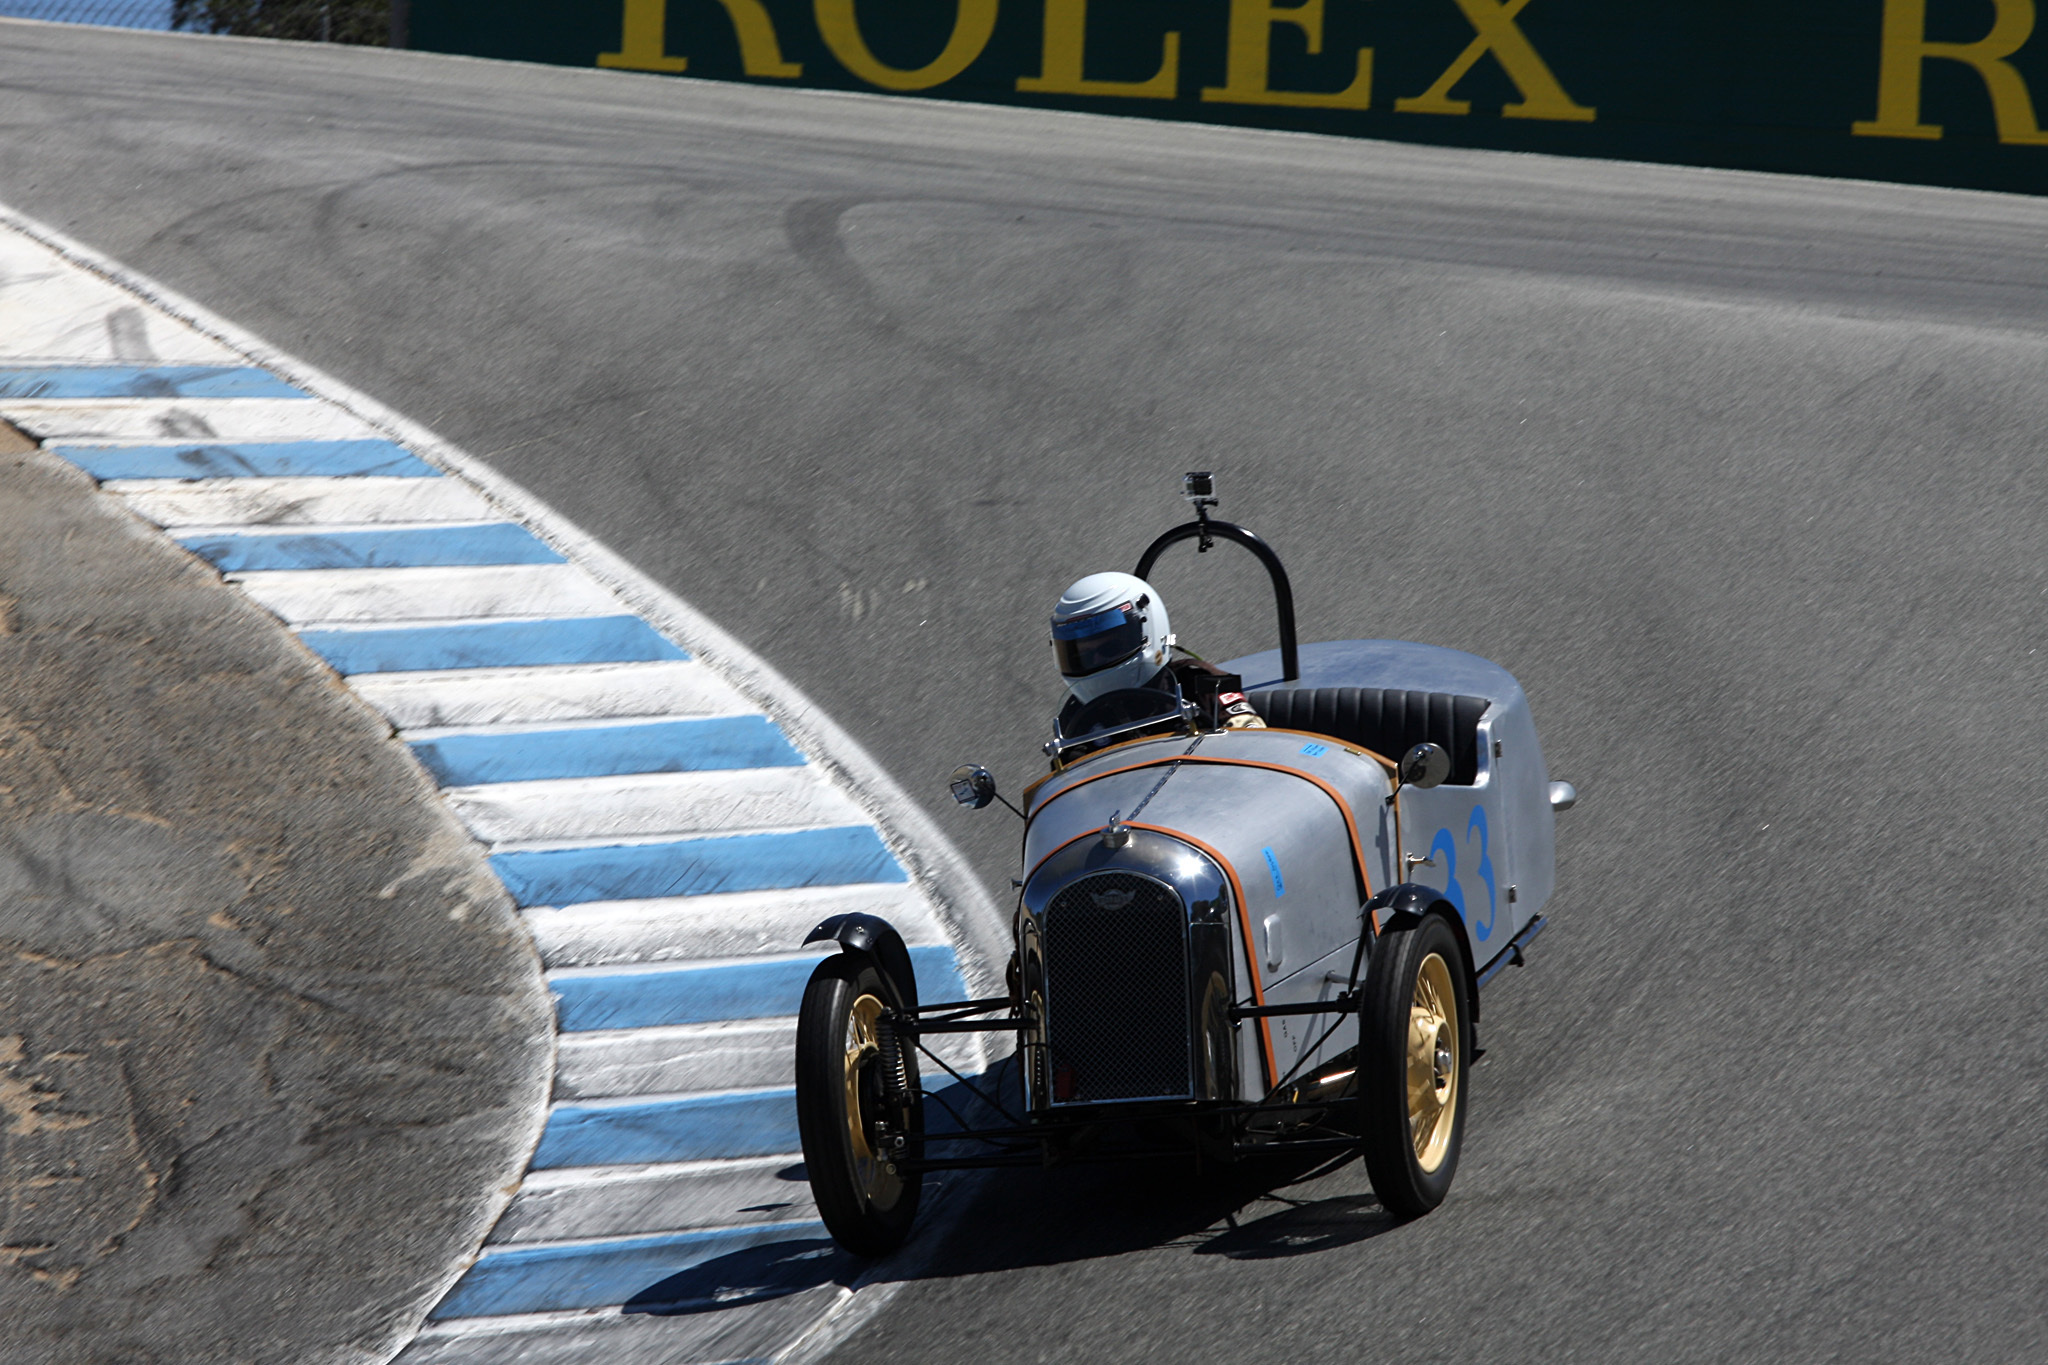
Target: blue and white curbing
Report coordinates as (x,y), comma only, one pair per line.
(668,813)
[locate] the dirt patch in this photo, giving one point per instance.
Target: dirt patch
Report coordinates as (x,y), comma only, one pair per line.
(271,1038)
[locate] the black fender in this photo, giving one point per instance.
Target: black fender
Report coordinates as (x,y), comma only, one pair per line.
(875,936)
(1409,902)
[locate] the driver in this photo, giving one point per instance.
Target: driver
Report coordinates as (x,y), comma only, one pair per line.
(1109,631)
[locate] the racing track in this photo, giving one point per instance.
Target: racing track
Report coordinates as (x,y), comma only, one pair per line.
(1740,475)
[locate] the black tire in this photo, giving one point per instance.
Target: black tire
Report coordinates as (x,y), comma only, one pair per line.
(1412,1093)
(866,1200)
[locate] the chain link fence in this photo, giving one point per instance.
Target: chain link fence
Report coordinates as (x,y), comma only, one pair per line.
(112,13)
(318,21)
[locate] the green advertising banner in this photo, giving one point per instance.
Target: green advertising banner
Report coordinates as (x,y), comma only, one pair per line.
(1928,91)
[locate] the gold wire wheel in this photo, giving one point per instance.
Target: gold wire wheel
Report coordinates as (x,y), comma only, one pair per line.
(863,1047)
(1433,1055)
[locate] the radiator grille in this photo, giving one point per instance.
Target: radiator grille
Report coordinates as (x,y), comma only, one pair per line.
(1116,982)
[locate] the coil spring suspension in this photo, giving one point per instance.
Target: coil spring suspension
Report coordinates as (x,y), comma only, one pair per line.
(895,1080)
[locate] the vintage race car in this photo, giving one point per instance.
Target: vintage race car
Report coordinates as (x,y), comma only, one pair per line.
(1228,941)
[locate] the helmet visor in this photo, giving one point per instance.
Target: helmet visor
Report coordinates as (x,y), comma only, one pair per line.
(1103,639)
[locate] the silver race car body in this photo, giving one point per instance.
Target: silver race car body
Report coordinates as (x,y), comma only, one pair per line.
(1232,936)
(1251,854)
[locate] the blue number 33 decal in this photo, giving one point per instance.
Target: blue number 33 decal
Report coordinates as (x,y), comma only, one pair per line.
(1445,848)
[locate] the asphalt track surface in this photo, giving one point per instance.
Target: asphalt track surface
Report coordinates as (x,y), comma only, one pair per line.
(1740,475)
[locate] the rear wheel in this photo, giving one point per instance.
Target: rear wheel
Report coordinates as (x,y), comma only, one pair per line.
(1414,1050)
(857,1107)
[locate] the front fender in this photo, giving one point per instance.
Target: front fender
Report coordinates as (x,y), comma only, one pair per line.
(1409,902)
(875,936)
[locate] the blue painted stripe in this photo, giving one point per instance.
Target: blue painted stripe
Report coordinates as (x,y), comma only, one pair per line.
(693,1128)
(492,644)
(651,998)
(673,746)
(695,867)
(143,381)
(411,547)
(249,460)
(552,1278)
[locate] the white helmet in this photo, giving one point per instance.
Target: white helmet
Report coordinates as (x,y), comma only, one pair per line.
(1109,631)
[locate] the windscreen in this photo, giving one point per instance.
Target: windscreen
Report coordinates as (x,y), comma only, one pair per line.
(1124,706)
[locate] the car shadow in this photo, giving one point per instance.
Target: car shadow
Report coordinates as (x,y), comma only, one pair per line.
(1256,1210)
(1302,1227)
(1008,1219)
(758,1274)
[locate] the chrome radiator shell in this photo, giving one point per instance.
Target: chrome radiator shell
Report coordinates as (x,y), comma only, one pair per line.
(1127,967)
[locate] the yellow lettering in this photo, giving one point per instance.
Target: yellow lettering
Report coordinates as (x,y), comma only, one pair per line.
(1494,23)
(1247,65)
(643,40)
(1066,24)
(1905,48)
(973,22)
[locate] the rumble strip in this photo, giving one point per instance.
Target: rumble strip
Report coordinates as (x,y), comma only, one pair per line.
(668,813)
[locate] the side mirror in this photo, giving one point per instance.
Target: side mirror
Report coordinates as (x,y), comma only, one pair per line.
(973,785)
(1563,796)
(1425,765)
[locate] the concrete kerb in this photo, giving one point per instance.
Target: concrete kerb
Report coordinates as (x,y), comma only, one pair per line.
(952,899)
(910,834)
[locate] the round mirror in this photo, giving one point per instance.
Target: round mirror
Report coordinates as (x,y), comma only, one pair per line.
(1425,765)
(973,785)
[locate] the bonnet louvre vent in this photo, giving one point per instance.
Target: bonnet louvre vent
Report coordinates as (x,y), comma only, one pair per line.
(1116,985)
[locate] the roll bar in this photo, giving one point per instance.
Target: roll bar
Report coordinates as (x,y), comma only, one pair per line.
(1207,532)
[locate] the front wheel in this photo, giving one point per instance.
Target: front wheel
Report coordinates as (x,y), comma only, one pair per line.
(857,1108)
(1414,1050)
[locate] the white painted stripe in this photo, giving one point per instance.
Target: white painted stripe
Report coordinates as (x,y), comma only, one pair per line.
(576,1177)
(746,1334)
(604,1102)
(745,1055)
(727,802)
(177,504)
(679,928)
(668,970)
(545,696)
(610,1201)
(748,1054)
(634,840)
(549,727)
(306,597)
(183,421)
(166,422)
(471,1334)
(57,312)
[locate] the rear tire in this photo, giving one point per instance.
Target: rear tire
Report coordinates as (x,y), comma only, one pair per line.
(867,1201)
(1415,1044)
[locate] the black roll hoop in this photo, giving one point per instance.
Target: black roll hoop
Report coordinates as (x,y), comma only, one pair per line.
(1207,532)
